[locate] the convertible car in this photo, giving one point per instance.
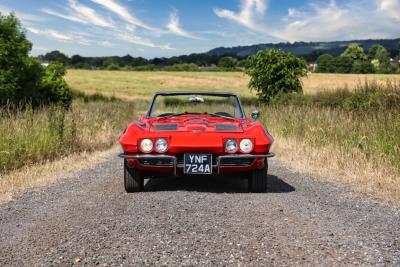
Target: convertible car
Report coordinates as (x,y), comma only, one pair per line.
(196,133)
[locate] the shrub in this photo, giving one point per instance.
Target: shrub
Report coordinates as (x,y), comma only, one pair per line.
(22,78)
(182,67)
(369,97)
(275,72)
(325,63)
(227,62)
(55,89)
(362,66)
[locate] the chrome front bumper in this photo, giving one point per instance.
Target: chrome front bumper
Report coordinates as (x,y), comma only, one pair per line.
(175,161)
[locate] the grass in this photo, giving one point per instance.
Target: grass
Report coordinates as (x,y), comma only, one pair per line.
(134,85)
(350,137)
(29,136)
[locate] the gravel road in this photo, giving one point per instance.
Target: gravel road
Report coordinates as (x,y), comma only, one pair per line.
(88,219)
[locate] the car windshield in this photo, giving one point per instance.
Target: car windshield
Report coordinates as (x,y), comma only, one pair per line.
(216,105)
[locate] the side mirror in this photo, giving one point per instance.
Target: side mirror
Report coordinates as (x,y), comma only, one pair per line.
(255,114)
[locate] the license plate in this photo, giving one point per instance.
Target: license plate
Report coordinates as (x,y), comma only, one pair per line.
(197,164)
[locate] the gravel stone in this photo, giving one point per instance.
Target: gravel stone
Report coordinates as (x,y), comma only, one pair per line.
(87,219)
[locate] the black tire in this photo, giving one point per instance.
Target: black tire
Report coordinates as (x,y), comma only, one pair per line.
(133,179)
(259,179)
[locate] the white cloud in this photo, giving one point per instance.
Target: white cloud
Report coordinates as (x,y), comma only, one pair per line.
(175,27)
(137,40)
(249,14)
(124,13)
(352,20)
(60,36)
(80,13)
(390,8)
(106,44)
(322,23)
(25,17)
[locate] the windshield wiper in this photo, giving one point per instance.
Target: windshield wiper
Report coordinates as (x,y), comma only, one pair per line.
(221,116)
(169,115)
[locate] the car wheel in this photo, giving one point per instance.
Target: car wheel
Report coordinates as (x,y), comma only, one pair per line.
(133,179)
(258,179)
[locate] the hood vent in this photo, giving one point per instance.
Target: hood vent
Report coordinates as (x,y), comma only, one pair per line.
(166,127)
(226,127)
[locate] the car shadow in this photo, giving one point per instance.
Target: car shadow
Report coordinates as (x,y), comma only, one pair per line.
(213,184)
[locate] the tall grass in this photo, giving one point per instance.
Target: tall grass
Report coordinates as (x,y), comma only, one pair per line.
(354,131)
(30,136)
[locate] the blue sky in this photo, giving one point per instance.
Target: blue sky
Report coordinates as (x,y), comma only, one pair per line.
(156,28)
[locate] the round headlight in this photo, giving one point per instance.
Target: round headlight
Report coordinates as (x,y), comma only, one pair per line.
(231,146)
(146,145)
(161,145)
(246,145)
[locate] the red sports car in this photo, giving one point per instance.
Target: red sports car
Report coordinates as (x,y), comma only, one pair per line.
(196,133)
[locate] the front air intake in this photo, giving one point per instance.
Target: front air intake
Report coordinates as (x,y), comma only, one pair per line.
(166,127)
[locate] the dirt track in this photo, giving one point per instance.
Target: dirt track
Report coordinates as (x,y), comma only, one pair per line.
(88,219)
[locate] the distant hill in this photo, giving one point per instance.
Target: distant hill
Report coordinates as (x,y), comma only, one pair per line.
(309,49)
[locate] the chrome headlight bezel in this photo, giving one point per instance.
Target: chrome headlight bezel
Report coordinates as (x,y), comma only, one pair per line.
(161,145)
(246,145)
(146,145)
(231,146)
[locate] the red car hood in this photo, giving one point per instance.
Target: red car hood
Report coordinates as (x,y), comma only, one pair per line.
(197,124)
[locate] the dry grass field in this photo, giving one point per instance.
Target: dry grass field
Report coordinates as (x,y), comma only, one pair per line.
(358,149)
(352,149)
(133,85)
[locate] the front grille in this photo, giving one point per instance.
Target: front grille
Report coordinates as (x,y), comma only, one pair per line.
(237,162)
(242,161)
(155,162)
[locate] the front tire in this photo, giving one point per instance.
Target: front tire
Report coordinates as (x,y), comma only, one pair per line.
(258,179)
(133,179)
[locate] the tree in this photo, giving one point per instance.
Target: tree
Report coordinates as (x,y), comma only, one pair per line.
(354,52)
(343,65)
(326,63)
(362,66)
(22,78)
(380,58)
(227,62)
(56,56)
(273,72)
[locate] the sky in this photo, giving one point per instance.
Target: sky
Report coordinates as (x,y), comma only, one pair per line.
(164,28)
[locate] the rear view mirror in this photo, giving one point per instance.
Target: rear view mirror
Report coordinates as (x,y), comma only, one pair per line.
(255,114)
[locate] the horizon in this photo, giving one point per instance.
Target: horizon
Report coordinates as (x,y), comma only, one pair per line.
(204,52)
(149,29)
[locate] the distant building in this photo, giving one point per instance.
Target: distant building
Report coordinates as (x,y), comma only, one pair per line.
(312,66)
(45,64)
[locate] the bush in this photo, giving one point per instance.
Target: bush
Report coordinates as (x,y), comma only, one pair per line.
(112,66)
(227,62)
(362,66)
(148,67)
(182,67)
(369,97)
(325,64)
(54,88)
(275,72)
(22,78)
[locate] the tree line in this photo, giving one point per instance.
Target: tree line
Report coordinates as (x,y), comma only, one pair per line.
(190,62)
(355,60)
